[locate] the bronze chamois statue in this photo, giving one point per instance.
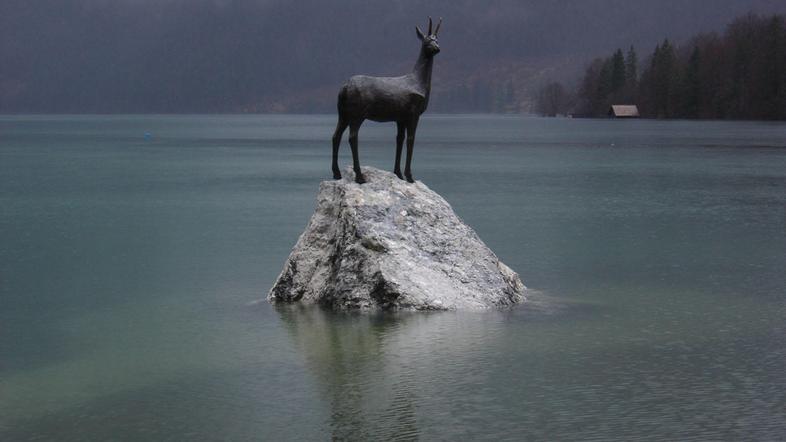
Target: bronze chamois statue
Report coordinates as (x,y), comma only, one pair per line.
(400,99)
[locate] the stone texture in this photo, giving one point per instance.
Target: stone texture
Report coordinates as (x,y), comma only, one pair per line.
(392,245)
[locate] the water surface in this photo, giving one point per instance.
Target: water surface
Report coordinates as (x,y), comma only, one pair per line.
(129,267)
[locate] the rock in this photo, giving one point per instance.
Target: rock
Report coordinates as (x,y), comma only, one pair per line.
(393,245)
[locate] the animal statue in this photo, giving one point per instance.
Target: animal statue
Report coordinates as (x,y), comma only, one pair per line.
(400,99)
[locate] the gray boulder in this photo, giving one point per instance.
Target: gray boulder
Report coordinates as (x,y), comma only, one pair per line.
(392,245)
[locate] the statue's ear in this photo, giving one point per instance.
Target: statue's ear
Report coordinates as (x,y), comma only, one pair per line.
(420,33)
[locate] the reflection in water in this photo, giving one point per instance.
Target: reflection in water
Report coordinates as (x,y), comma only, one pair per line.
(374,369)
(367,383)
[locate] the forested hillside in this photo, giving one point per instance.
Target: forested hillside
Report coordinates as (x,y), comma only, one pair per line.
(739,74)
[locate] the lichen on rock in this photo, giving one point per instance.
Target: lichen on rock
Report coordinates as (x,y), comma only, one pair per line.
(393,245)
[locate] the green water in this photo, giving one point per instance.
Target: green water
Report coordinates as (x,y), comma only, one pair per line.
(130,267)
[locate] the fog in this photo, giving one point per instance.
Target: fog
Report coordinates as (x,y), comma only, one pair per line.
(114,56)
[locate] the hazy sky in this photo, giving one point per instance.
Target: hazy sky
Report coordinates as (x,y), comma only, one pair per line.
(231,55)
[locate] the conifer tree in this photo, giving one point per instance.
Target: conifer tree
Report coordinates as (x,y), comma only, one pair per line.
(631,68)
(618,72)
(691,87)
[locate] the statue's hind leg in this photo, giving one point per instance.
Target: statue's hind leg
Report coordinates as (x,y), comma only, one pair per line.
(354,127)
(336,143)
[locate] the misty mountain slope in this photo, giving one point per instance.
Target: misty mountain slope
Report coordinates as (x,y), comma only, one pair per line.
(276,55)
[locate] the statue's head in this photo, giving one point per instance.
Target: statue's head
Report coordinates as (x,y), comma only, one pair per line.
(429,40)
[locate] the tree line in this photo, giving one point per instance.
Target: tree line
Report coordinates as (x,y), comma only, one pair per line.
(740,74)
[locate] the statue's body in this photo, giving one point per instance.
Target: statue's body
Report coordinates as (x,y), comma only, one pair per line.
(400,99)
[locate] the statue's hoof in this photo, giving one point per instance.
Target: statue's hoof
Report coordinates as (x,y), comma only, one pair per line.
(359,179)
(336,175)
(410,179)
(398,174)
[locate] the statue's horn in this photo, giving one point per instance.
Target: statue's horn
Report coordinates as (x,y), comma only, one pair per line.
(429,26)
(436,31)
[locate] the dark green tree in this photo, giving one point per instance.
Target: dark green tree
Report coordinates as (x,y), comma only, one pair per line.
(631,76)
(618,75)
(664,79)
(632,68)
(772,88)
(691,87)
(590,89)
(605,87)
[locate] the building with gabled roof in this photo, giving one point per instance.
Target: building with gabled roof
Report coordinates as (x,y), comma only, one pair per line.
(624,111)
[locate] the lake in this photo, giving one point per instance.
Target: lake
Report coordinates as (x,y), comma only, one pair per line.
(134,251)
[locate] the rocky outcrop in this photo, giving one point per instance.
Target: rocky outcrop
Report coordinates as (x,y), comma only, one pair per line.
(392,245)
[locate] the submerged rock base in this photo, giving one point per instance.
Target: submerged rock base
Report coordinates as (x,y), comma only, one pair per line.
(393,245)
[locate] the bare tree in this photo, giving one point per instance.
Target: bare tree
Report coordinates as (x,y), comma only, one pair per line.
(552,100)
